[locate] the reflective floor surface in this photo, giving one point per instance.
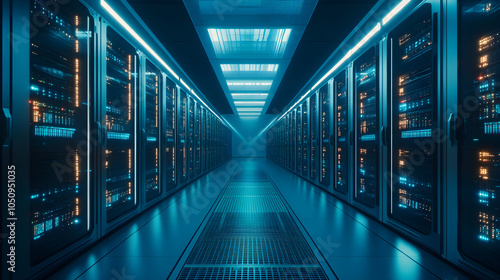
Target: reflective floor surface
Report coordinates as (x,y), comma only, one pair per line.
(250,219)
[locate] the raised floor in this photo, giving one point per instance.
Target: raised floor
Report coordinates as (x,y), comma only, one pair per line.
(251,219)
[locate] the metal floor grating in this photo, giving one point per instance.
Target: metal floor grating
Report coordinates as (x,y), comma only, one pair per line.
(252,250)
(251,235)
(251,204)
(265,273)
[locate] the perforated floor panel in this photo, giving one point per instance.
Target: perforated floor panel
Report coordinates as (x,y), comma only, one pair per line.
(251,235)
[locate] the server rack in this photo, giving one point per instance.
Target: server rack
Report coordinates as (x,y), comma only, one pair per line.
(169,136)
(60,74)
(341,151)
(197,140)
(478,127)
(313,136)
(367,123)
(293,121)
(305,137)
(413,111)
(182,163)
(203,136)
(324,95)
(150,116)
(190,136)
(298,134)
(118,118)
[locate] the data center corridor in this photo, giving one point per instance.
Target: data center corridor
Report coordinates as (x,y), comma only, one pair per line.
(250,219)
(250,139)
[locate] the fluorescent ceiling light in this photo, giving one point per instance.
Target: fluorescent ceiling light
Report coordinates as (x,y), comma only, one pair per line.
(249,42)
(249,67)
(184,83)
(247,85)
(136,36)
(349,54)
(263,83)
(395,11)
(255,109)
(249,96)
(249,114)
(249,103)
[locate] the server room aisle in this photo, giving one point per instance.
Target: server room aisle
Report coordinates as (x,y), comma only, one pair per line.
(259,222)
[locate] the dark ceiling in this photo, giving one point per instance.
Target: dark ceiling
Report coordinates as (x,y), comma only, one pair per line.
(330,23)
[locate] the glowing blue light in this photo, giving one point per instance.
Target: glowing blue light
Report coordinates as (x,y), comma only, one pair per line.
(416,133)
(249,42)
(118,136)
(249,67)
(395,11)
(254,85)
(368,137)
(249,96)
(255,109)
(249,103)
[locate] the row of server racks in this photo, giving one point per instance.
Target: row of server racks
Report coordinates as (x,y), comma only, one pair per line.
(95,133)
(409,131)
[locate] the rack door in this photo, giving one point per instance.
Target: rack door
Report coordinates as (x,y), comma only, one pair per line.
(313,136)
(479,142)
(181,136)
(151,156)
(197,139)
(169,134)
(414,168)
(190,136)
(59,112)
(341,119)
(305,137)
(324,96)
(294,139)
(367,125)
(121,90)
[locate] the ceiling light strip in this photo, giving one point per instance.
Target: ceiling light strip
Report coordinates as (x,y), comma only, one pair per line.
(125,25)
(365,39)
(136,36)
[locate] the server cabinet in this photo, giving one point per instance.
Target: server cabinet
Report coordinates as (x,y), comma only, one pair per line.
(181,136)
(197,139)
(342,130)
(204,139)
(313,136)
(283,142)
(169,132)
(413,112)
(298,134)
(288,141)
(190,136)
(324,96)
(479,134)
(210,141)
(305,137)
(367,123)
(151,136)
(294,138)
(58,108)
(120,111)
